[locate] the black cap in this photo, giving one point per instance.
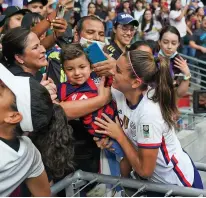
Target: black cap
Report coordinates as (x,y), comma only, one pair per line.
(13,10)
(44,2)
(10,11)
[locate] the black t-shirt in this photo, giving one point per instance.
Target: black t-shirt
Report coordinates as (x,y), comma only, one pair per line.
(199,37)
(113,50)
(14,143)
(18,71)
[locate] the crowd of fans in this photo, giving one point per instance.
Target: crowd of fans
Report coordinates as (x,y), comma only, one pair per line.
(61,112)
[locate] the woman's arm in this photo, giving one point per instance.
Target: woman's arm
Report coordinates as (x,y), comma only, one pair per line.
(183,12)
(197,47)
(184,85)
(39,186)
(143,161)
(44,25)
(183,88)
(59,27)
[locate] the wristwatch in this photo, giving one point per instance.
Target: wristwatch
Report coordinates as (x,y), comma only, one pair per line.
(187,77)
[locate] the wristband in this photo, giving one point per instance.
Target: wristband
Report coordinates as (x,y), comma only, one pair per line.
(187,77)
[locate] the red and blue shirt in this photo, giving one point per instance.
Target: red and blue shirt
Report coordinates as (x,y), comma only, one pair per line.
(69,92)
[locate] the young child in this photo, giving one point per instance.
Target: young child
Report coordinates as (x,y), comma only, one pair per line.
(81,85)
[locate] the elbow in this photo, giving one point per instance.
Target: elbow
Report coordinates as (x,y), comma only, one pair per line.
(144,172)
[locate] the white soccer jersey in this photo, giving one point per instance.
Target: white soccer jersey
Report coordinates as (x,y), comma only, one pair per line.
(147,129)
(15,167)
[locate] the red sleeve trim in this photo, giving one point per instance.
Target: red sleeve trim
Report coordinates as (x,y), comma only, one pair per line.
(151,146)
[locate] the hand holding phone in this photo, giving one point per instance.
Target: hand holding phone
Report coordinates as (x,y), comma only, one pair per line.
(94,53)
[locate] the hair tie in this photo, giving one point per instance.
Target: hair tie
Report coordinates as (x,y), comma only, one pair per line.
(157,62)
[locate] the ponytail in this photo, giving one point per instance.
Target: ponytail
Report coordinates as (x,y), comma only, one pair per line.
(156,74)
(164,91)
(56,144)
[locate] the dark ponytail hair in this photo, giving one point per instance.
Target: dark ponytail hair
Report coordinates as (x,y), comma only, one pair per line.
(155,72)
(52,135)
(6,27)
(164,91)
(14,42)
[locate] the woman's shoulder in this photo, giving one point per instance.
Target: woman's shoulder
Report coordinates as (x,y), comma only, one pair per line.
(149,107)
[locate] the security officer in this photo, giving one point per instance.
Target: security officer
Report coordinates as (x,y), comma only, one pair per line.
(124,29)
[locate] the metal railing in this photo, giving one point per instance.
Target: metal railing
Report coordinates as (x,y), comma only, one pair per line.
(75,183)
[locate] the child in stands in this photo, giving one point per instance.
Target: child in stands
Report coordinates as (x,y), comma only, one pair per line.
(82,84)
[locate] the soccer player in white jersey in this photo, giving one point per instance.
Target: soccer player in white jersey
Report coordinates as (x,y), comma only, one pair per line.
(147,135)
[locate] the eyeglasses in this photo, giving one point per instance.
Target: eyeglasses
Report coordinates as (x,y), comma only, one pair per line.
(126,29)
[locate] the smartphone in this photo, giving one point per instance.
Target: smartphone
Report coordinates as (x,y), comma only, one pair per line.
(94,53)
(60,11)
(175,69)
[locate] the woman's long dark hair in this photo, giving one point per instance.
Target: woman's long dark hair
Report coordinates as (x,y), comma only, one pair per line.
(157,74)
(14,42)
(144,24)
(6,27)
(172,5)
(52,135)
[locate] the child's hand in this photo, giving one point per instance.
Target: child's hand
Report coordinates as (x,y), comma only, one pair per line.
(104,93)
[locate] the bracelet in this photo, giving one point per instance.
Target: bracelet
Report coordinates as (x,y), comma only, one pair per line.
(187,77)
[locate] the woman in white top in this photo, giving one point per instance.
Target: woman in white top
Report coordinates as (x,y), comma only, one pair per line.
(138,10)
(177,17)
(146,130)
(149,28)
